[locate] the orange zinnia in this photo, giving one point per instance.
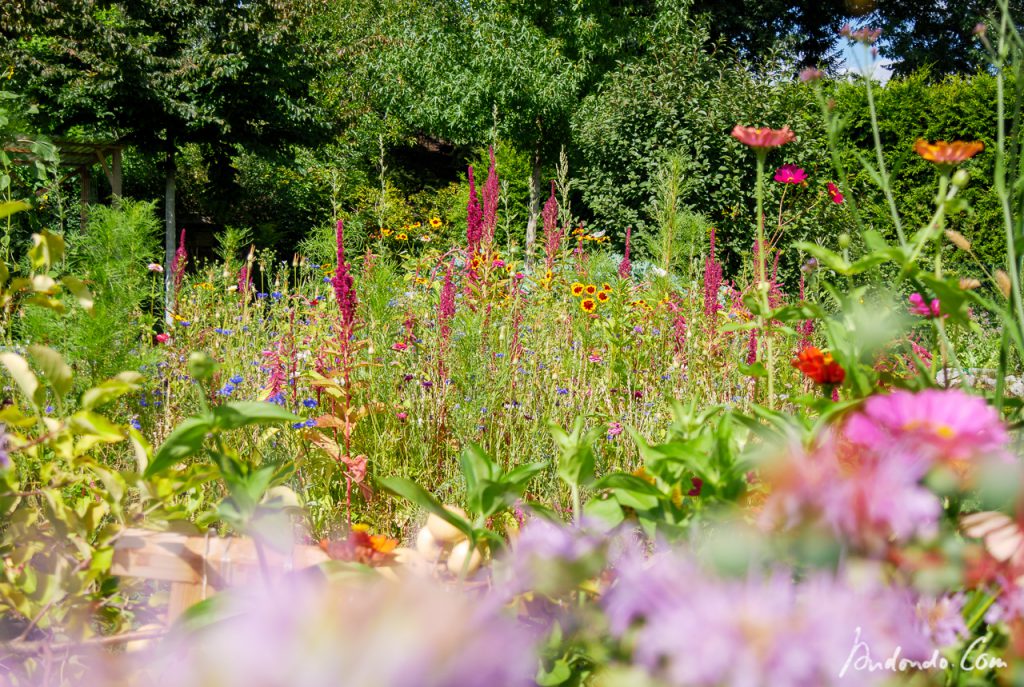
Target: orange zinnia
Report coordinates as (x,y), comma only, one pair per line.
(952,153)
(588,305)
(819,366)
(763,137)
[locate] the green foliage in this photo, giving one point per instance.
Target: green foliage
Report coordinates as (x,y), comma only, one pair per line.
(111,255)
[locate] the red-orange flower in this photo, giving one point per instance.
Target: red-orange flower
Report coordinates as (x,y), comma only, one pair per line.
(952,153)
(763,137)
(819,366)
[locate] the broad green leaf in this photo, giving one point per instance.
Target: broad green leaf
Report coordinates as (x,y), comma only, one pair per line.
(413,492)
(623,480)
(111,389)
(241,413)
(186,440)
(26,380)
(53,367)
(80,291)
(10,207)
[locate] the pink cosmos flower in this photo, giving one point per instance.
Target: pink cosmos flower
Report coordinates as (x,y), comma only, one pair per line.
(919,307)
(155,267)
(399,346)
(790,174)
(945,425)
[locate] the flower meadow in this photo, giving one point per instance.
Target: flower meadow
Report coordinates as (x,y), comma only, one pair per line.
(570,466)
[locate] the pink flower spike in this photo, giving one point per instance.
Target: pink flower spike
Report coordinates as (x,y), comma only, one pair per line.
(790,174)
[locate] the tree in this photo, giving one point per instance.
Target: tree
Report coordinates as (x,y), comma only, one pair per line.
(162,73)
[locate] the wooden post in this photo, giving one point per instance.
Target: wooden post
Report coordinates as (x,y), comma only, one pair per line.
(85,177)
(115,182)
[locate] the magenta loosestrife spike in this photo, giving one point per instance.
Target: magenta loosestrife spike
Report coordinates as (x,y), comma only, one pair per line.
(490,220)
(244,280)
(179,263)
(712,283)
(626,267)
(344,286)
(552,233)
(474,218)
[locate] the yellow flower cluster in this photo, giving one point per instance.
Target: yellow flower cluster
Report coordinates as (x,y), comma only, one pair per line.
(590,295)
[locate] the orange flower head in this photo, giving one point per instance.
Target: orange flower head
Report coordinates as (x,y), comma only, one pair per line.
(819,366)
(577,289)
(763,138)
(603,296)
(591,289)
(588,305)
(951,153)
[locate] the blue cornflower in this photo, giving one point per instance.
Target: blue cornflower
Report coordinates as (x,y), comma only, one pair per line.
(261,295)
(49,409)
(227,390)
(298,425)
(276,295)
(309,403)
(237,379)
(277,399)
(327,280)
(562,391)
(311,422)
(135,424)
(184,323)
(499,355)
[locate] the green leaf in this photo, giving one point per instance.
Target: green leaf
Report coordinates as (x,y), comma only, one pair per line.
(80,291)
(92,424)
(410,491)
(53,367)
(241,413)
(186,440)
(26,380)
(623,480)
(10,207)
(113,388)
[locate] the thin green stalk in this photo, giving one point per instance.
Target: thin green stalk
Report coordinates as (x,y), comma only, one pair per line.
(762,283)
(886,186)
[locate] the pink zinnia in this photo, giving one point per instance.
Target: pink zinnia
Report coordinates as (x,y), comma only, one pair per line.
(919,307)
(790,174)
(834,194)
(763,138)
(942,424)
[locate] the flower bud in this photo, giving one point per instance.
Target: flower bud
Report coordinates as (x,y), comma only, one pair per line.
(1003,281)
(201,366)
(844,240)
(961,178)
(958,240)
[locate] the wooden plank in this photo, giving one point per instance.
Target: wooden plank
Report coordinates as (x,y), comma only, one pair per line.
(219,561)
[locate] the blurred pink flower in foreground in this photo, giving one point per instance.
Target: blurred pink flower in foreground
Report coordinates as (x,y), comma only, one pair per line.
(363,633)
(919,307)
(699,630)
(945,425)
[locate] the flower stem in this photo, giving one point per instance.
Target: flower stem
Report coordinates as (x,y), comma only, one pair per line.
(762,283)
